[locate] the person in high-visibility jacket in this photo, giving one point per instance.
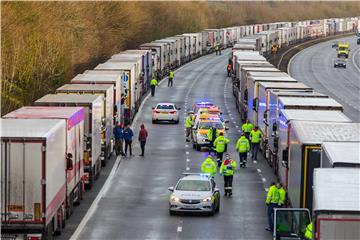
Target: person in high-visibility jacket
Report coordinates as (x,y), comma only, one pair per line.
(220,145)
(171,78)
(243,147)
(217,49)
(308,231)
(282,195)
(228,169)
(153,84)
(208,166)
(212,134)
(189,123)
(247,127)
(255,138)
(272,201)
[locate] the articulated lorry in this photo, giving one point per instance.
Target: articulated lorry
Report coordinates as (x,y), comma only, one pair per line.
(93,111)
(340,154)
(106,92)
(33,177)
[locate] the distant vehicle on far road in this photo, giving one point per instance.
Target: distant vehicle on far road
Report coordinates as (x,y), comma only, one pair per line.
(334,45)
(339,62)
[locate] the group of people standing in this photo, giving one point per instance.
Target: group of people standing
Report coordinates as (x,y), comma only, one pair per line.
(125,135)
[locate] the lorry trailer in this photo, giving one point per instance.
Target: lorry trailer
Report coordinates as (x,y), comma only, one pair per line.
(33,177)
(340,154)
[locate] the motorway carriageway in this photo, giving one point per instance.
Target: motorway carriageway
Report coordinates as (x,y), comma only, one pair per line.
(314,66)
(133,203)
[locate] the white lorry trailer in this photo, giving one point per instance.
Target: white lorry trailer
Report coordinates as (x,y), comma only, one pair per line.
(302,153)
(74,132)
(336,216)
(340,154)
(107,78)
(106,92)
(93,111)
(33,177)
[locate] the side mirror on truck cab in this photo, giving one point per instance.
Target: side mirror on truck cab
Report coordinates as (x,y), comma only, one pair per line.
(69,162)
(285,158)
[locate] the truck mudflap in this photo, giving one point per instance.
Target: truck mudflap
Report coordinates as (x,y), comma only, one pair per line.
(290,223)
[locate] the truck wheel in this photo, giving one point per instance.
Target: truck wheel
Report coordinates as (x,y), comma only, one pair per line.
(70,208)
(48,235)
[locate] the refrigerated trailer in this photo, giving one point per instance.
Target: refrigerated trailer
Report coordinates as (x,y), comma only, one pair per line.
(107,78)
(340,154)
(74,136)
(128,85)
(302,154)
(250,91)
(336,204)
(158,57)
(33,177)
(93,110)
(106,92)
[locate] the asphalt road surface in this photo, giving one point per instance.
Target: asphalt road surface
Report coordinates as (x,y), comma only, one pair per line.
(314,66)
(133,203)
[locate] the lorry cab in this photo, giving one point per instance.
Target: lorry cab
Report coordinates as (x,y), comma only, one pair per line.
(290,223)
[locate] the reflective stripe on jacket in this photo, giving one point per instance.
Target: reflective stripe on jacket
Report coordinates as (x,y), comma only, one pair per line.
(220,143)
(228,167)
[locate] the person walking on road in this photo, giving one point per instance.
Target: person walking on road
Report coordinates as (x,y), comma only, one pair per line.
(143,134)
(282,195)
(212,134)
(243,147)
(128,135)
(272,201)
(208,166)
(216,49)
(229,70)
(171,78)
(153,84)
(220,146)
(228,169)
(255,138)
(247,127)
(189,123)
(119,139)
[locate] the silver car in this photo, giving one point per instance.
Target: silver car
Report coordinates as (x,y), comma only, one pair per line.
(195,193)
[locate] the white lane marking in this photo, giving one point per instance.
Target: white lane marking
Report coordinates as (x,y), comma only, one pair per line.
(254,161)
(179,229)
(95,203)
(258,170)
(266,189)
(187,169)
(187,153)
(188,160)
(239,131)
(186,145)
(263,179)
(353,59)
(236,126)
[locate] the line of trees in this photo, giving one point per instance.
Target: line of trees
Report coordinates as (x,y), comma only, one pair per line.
(44,44)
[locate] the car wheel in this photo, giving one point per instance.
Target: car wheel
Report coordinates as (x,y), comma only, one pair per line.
(153,121)
(172,213)
(344,66)
(194,146)
(176,121)
(217,209)
(334,66)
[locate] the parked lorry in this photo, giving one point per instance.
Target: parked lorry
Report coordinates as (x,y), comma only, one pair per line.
(128,86)
(106,78)
(74,121)
(33,177)
(301,153)
(93,110)
(171,51)
(106,92)
(250,90)
(336,216)
(158,56)
(340,154)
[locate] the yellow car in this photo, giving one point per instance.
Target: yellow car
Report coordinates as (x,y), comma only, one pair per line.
(200,130)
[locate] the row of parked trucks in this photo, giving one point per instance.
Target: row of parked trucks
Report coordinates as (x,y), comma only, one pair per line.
(53,151)
(312,146)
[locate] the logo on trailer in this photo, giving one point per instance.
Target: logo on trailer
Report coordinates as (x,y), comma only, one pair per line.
(125,77)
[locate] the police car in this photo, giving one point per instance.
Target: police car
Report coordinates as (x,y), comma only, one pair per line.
(194,193)
(201,128)
(165,112)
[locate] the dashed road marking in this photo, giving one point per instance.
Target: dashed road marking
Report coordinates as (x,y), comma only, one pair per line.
(263,179)
(179,229)
(188,160)
(266,189)
(187,169)
(187,153)
(186,145)
(258,170)
(254,161)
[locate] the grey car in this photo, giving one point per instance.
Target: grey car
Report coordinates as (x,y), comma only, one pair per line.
(194,193)
(339,63)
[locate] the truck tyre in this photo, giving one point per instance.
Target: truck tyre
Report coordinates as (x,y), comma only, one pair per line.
(70,207)
(48,235)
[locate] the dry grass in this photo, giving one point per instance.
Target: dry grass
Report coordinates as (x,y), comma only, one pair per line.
(45,43)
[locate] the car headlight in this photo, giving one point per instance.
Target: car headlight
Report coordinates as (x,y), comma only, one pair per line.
(208,199)
(174,199)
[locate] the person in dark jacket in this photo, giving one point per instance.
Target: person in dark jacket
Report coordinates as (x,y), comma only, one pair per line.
(128,135)
(143,134)
(119,139)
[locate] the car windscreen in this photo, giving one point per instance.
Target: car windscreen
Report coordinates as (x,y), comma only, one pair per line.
(193,185)
(165,107)
(208,125)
